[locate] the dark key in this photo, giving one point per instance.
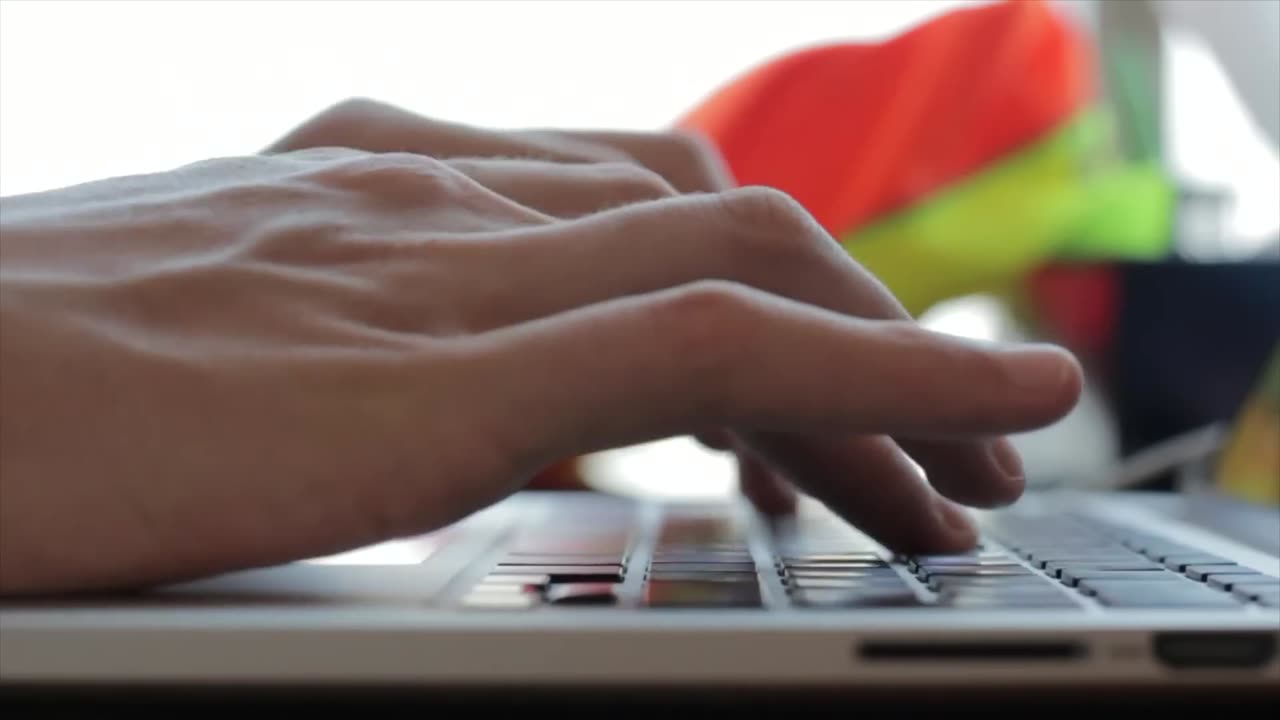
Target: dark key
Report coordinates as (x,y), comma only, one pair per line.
(701,594)
(704,567)
(1056,567)
(1202,572)
(1230,581)
(564,573)
(854,598)
(1180,562)
(583,594)
(1074,577)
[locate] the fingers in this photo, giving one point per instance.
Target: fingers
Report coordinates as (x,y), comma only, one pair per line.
(873,485)
(715,354)
(753,236)
(566,191)
(769,492)
(378,127)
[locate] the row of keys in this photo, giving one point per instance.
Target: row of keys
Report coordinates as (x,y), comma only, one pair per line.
(988,580)
(547,565)
(1128,569)
(843,580)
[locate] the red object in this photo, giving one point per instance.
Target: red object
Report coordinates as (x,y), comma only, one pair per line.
(855,131)
(1078,305)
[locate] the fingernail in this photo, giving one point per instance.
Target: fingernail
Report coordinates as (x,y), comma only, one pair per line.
(1006,458)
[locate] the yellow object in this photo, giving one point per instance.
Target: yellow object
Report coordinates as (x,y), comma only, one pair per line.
(1249,466)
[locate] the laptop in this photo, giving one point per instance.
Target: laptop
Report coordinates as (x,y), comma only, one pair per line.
(554,589)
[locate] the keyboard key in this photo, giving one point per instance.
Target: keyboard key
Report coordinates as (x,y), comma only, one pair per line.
(1167,585)
(702,556)
(977,571)
(1042,559)
(543,559)
(701,594)
(857,573)
(1202,572)
(1254,592)
(835,567)
(976,558)
(1056,567)
(704,566)
(972,602)
(583,594)
(1230,581)
(1074,577)
(854,598)
(683,575)
(847,582)
(982,563)
(1181,561)
(939,583)
(850,557)
(1215,601)
(564,573)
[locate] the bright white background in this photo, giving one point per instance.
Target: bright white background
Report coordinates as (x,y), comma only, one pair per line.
(94,89)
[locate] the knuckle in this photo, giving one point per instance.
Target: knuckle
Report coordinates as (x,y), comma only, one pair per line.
(692,147)
(357,105)
(625,183)
(764,209)
(700,160)
(393,176)
(708,323)
(293,241)
(771,229)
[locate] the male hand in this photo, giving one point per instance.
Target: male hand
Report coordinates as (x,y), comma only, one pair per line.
(261,359)
(685,162)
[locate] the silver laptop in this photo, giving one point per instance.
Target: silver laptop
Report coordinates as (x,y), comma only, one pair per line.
(552,590)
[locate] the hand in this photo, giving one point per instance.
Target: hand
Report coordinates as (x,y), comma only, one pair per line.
(685,162)
(255,360)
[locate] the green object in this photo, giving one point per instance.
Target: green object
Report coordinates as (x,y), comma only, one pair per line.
(1065,196)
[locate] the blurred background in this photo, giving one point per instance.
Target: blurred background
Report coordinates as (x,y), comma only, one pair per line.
(1163,277)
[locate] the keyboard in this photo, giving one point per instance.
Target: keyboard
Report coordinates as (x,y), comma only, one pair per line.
(696,558)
